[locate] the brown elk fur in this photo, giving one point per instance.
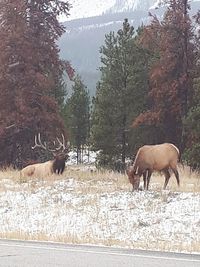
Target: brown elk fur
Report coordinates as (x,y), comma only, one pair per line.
(149,158)
(57,165)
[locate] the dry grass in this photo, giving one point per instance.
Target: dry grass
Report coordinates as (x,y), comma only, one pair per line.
(68,238)
(105,181)
(111,181)
(88,182)
(10,173)
(189,181)
(160,245)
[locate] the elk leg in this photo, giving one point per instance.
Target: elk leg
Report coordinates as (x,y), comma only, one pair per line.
(145,179)
(177,176)
(167,176)
(149,173)
(62,170)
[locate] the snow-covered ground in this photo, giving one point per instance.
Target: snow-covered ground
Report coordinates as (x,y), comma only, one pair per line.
(89,208)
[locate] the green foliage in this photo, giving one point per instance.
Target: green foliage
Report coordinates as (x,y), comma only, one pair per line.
(60,93)
(148,77)
(121,94)
(77,115)
(191,121)
(192,131)
(191,156)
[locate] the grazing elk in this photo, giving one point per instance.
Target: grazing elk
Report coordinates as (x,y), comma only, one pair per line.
(57,165)
(149,158)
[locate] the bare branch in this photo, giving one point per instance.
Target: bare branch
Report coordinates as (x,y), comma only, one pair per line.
(13,65)
(10,126)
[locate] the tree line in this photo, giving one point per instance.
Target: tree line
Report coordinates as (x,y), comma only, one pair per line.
(149,88)
(148,92)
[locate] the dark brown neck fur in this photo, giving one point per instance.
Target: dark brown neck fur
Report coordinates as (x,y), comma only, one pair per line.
(59,164)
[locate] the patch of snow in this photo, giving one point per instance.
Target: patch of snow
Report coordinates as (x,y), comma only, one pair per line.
(88,157)
(156,4)
(136,219)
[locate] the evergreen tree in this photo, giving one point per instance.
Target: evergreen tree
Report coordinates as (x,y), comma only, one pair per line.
(192,131)
(77,116)
(171,75)
(60,90)
(191,120)
(120,95)
(30,70)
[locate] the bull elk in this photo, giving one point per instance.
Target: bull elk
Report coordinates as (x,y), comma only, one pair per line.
(150,158)
(57,165)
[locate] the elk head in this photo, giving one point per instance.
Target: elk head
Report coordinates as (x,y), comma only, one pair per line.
(59,151)
(133,177)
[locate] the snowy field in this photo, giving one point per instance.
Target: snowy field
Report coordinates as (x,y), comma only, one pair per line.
(88,207)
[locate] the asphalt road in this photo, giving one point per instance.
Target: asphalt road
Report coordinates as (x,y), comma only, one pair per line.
(37,254)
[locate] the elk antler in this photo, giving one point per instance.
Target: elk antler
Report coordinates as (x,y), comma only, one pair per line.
(61,144)
(37,137)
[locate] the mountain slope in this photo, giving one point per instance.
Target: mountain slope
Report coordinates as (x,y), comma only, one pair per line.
(91,8)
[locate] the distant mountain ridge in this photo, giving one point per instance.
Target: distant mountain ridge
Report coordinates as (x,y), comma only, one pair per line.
(91,8)
(130,5)
(84,36)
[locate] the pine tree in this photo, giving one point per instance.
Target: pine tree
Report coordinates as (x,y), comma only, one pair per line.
(191,121)
(172,73)
(77,116)
(30,69)
(192,131)
(120,95)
